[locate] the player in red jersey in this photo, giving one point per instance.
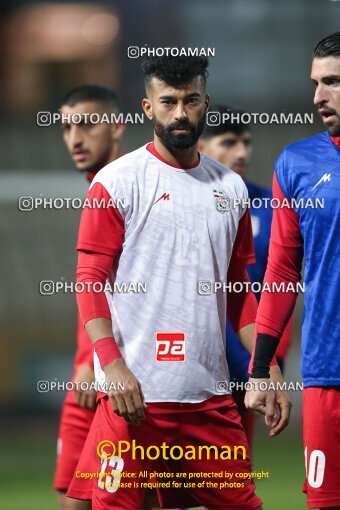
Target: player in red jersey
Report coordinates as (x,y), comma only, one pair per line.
(165,346)
(90,146)
(230,142)
(309,170)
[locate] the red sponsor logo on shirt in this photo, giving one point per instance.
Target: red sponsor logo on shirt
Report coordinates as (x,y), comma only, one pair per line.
(165,196)
(170,346)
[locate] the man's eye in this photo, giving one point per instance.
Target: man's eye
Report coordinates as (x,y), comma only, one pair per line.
(166,101)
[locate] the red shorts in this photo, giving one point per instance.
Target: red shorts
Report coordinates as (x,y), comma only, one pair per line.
(321,437)
(109,489)
(247,416)
(74,426)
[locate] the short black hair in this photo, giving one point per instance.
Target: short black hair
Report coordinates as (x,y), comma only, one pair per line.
(328,47)
(226,124)
(99,93)
(175,71)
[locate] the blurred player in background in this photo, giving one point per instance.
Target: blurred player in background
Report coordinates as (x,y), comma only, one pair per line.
(230,142)
(166,346)
(91,146)
(309,169)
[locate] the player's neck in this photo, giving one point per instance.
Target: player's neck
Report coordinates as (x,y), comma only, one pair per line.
(116,153)
(182,158)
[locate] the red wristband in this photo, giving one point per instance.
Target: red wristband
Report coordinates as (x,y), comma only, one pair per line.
(107,350)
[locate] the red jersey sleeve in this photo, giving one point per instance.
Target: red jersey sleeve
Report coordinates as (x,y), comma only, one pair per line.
(101,227)
(84,354)
(242,306)
(285,341)
(100,240)
(284,266)
(243,249)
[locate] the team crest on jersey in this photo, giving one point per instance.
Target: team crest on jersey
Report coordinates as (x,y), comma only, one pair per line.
(222,202)
(170,346)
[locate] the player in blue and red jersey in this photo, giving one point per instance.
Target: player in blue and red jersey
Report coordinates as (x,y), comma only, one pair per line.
(91,146)
(309,169)
(230,143)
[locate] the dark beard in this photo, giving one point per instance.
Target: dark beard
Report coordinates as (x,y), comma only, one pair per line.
(180,141)
(334,130)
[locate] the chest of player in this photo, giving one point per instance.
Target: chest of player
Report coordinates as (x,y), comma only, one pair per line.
(317,202)
(184,208)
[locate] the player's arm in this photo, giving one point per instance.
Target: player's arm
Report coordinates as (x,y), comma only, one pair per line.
(242,306)
(100,240)
(84,395)
(275,308)
(242,309)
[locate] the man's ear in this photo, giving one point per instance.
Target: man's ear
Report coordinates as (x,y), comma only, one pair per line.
(207,101)
(117,131)
(147,107)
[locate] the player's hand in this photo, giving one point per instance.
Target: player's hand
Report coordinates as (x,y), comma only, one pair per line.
(262,401)
(86,397)
(283,404)
(275,405)
(128,402)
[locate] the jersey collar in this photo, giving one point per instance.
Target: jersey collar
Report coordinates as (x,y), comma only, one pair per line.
(90,176)
(335,140)
(151,148)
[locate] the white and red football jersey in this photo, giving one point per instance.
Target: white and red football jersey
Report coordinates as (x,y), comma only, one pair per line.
(172,229)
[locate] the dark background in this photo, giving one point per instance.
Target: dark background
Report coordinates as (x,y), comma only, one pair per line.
(262,64)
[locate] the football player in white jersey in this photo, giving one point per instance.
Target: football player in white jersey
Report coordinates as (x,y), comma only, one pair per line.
(174,221)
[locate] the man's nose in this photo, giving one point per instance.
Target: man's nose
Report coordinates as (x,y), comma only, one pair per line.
(320,95)
(75,135)
(241,150)
(180,112)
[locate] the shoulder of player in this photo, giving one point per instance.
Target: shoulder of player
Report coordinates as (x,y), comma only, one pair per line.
(299,156)
(304,148)
(222,172)
(121,169)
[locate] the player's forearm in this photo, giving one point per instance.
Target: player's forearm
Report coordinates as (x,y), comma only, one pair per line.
(274,312)
(275,308)
(92,272)
(246,336)
(93,268)
(98,328)
(100,333)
